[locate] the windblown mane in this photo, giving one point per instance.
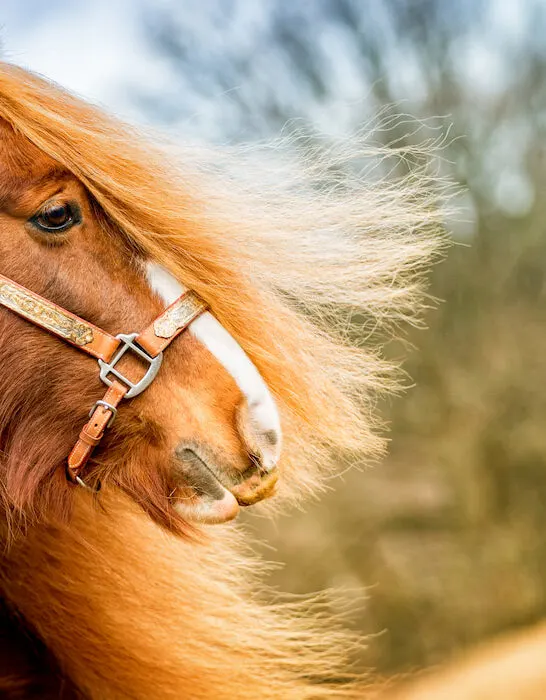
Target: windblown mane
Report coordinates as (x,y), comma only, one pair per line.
(298,259)
(270,246)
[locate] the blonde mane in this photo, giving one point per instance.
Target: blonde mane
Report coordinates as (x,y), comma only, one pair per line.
(303,261)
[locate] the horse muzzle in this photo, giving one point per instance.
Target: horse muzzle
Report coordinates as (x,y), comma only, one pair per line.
(208,493)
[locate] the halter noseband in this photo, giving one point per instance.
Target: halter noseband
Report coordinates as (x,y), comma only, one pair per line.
(108,350)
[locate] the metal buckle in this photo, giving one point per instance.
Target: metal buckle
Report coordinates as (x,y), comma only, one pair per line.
(113,410)
(107,368)
(80,482)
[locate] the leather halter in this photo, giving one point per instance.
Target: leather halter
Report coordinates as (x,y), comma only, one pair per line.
(108,350)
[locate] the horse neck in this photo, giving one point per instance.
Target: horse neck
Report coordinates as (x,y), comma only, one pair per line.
(132,612)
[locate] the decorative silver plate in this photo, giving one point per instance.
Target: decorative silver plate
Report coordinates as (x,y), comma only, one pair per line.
(44,313)
(182,313)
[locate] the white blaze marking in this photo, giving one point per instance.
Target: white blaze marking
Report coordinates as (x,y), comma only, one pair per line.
(163,283)
(210,332)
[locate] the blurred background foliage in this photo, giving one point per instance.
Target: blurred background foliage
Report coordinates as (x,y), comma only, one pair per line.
(447,534)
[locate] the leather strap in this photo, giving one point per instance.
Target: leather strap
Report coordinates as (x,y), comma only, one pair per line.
(175,319)
(93,431)
(45,314)
(154,339)
(101,345)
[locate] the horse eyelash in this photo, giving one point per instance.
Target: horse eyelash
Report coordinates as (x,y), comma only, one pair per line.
(53,233)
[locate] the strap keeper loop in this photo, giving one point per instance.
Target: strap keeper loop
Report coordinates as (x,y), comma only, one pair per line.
(89,439)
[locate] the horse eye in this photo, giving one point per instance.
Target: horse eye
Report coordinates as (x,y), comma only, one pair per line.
(56,217)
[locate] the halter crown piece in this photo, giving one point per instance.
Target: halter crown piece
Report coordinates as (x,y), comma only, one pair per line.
(108,350)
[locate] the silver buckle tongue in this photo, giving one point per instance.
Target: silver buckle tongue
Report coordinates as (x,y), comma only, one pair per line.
(109,368)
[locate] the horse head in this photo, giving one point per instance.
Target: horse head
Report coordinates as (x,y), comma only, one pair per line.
(102,221)
(203,439)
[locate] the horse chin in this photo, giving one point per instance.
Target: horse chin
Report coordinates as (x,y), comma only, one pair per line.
(202,508)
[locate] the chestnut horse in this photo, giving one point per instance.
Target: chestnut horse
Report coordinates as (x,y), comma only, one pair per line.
(127,591)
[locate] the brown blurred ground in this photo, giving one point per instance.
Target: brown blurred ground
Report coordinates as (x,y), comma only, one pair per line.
(448,533)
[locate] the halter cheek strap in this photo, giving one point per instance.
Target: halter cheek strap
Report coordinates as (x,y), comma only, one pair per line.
(108,350)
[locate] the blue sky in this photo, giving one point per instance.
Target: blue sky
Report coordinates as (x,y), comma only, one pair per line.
(234,74)
(93,48)
(99,49)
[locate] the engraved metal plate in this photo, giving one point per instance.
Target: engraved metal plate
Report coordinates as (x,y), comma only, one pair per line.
(182,313)
(45,314)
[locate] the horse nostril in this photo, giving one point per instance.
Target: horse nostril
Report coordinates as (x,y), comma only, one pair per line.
(196,473)
(259,427)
